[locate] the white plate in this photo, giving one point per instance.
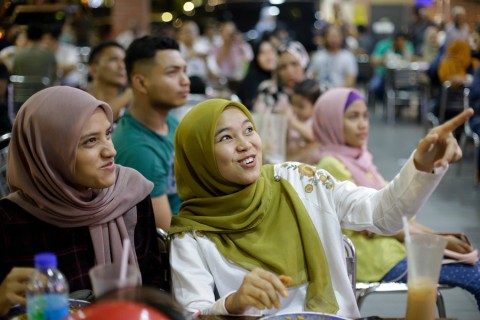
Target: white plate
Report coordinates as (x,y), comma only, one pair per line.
(303,316)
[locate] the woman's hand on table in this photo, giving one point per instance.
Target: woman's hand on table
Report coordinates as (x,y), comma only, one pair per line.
(12,288)
(260,289)
(439,147)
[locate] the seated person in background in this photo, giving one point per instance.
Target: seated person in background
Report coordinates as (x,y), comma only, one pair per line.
(66,55)
(334,66)
(230,59)
(106,67)
(304,95)
(33,59)
(261,68)
(69,197)
(431,45)
(144,135)
(388,52)
(341,123)
(458,28)
(455,64)
(7,54)
(268,238)
(193,51)
(274,94)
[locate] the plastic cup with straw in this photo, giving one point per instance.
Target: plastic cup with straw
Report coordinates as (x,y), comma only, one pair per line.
(424,260)
(124,261)
(406,230)
(108,277)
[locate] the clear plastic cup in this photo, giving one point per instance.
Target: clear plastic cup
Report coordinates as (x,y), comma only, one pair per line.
(106,277)
(424,260)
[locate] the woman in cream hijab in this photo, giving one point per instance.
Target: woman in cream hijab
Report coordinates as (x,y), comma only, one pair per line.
(257,239)
(273,95)
(68,196)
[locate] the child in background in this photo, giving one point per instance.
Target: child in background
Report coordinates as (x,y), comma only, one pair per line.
(305,93)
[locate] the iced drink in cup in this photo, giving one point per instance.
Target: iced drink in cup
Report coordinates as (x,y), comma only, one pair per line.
(424,260)
(106,277)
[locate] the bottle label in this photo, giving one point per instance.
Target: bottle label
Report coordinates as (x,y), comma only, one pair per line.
(51,306)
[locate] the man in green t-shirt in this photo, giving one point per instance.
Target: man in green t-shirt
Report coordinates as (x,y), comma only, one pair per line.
(385,51)
(143,137)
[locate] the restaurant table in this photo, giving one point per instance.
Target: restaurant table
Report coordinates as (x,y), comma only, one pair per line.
(209,317)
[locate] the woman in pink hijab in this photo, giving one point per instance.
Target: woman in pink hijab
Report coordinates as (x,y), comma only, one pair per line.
(69,197)
(340,124)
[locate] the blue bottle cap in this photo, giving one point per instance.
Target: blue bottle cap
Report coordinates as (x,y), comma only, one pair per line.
(45,260)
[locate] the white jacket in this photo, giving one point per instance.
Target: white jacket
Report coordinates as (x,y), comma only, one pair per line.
(198,267)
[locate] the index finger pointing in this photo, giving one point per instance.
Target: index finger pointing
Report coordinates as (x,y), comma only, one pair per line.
(452,124)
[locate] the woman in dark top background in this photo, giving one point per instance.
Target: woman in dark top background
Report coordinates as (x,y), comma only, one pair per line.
(261,68)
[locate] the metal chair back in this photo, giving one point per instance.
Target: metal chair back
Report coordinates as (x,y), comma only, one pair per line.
(4,141)
(401,84)
(453,100)
(351,259)
(163,240)
(21,88)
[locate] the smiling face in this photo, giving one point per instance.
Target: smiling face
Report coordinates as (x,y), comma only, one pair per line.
(94,166)
(355,124)
(238,148)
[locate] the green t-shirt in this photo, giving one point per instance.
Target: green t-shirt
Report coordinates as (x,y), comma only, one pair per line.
(149,153)
(385,46)
(376,255)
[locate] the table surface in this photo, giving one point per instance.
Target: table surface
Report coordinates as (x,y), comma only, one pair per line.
(209,317)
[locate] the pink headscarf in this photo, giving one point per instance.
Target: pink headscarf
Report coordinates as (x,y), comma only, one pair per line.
(41,170)
(328,129)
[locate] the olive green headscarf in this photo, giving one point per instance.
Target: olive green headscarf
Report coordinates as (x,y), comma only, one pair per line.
(260,225)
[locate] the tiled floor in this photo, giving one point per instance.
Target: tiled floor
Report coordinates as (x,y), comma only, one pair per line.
(454,207)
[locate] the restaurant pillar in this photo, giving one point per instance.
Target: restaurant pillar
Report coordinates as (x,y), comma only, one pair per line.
(127,14)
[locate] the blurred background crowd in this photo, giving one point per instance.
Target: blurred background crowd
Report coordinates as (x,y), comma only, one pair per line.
(234,49)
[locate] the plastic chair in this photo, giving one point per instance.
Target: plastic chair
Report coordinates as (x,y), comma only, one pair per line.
(363,289)
(366,288)
(403,83)
(365,70)
(468,134)
(4,141)
(453,100)
(21,88)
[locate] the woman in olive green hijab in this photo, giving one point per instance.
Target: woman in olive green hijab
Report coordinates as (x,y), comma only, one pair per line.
(257,239)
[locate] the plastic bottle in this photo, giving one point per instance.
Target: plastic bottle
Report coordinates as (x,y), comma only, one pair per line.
(47,290)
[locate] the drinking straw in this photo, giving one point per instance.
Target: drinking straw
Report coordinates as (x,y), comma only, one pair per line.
(406,229)
(124,261)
